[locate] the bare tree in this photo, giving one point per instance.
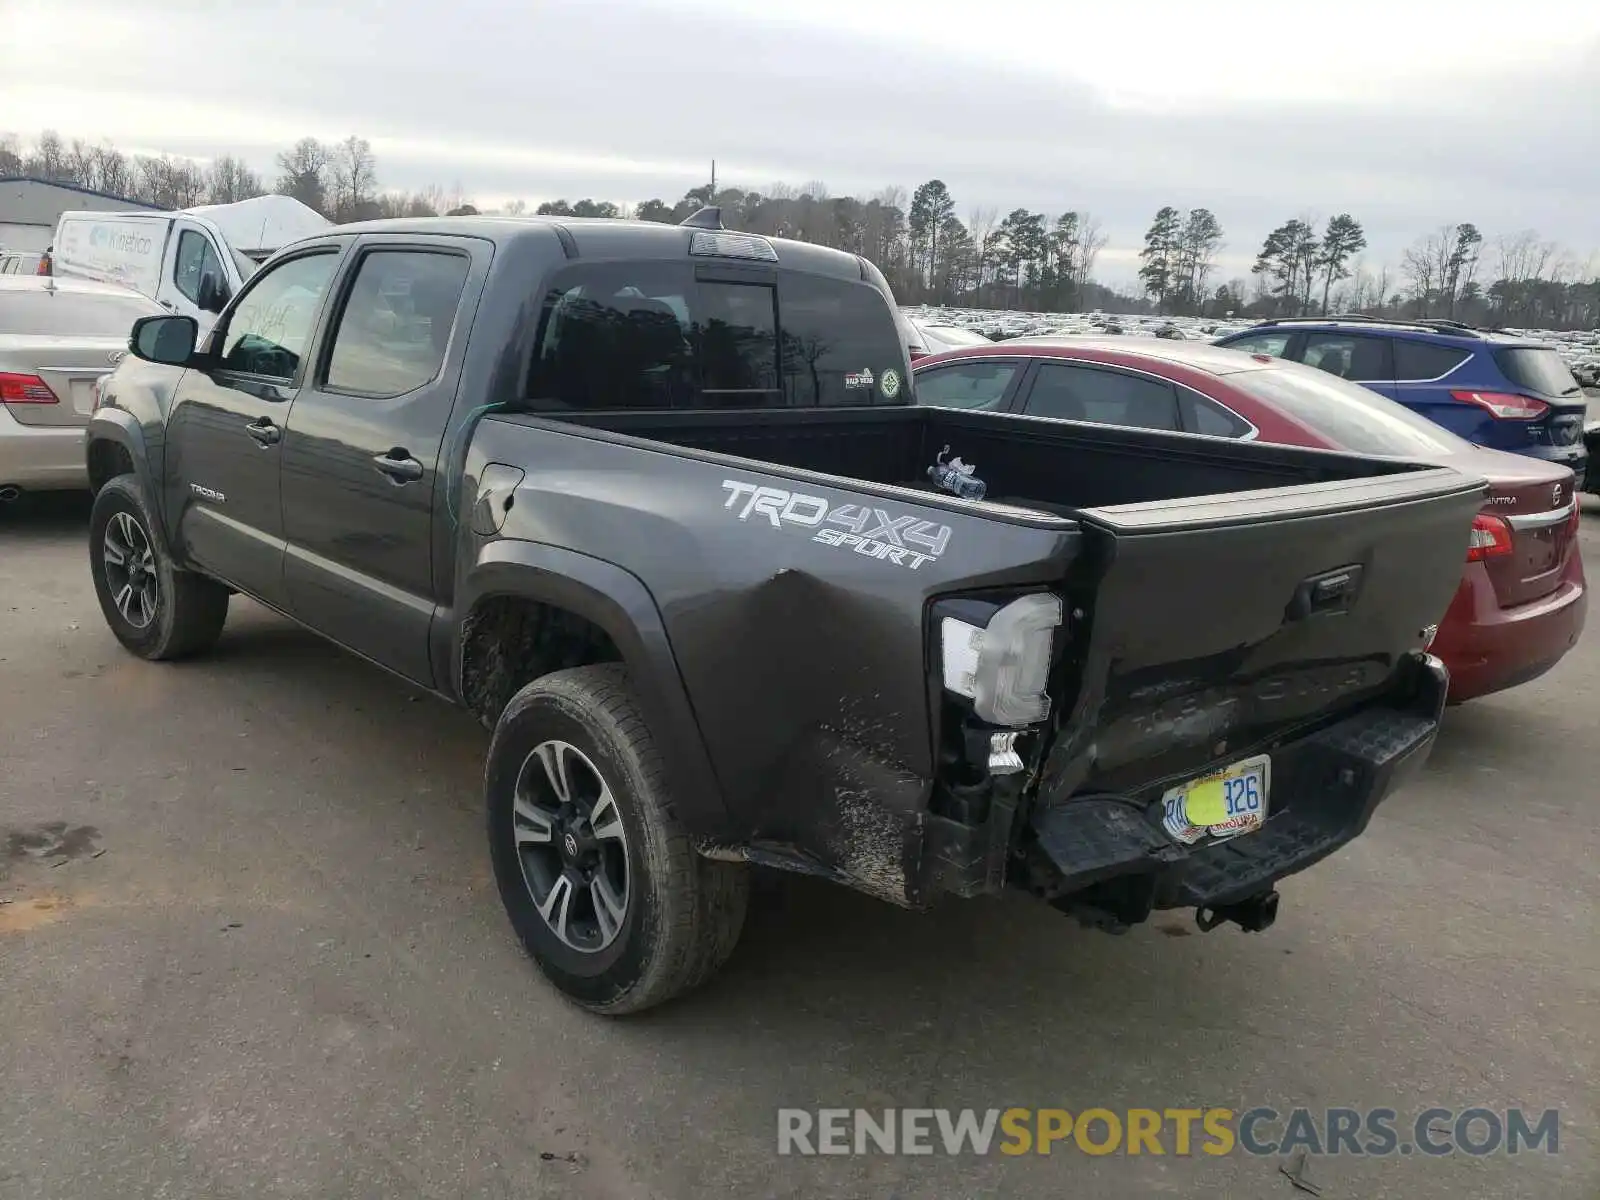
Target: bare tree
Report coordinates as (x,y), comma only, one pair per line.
(1522,256)
(10,154)
(1425,264)
(168,182)
(304,174)
(1092,239)
(49,158)
(355,180)
(981,221)
(229,180)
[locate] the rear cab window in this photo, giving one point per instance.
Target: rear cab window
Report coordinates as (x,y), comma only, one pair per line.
(1537,369)
(669,335)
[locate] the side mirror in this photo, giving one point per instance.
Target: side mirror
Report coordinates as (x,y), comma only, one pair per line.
(213,296)
(168,340)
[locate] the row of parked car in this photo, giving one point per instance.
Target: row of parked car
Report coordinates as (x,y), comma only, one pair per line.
(1502,406)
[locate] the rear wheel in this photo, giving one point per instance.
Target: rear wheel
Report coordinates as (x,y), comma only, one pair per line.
(155,610)
(599,879)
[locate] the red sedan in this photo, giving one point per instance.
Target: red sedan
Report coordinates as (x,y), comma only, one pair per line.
(1522,601)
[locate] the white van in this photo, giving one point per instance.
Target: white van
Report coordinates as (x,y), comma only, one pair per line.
(190,262)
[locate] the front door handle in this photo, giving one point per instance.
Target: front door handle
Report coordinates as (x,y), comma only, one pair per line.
(398,465)
(264,431)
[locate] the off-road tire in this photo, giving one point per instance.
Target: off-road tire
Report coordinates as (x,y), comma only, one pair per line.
(684,912)
(190,610)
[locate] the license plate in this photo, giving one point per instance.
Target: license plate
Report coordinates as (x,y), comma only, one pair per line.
(83,396)
(1225,804)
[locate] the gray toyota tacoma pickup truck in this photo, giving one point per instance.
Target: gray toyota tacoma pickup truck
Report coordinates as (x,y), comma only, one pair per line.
(653,502)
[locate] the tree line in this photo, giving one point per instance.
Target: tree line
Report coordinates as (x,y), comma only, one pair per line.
(931,254)
(1303,271)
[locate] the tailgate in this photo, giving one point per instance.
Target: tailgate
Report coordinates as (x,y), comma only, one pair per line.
(1218,622)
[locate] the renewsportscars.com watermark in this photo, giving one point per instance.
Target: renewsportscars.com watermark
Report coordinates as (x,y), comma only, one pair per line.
(1178,1131)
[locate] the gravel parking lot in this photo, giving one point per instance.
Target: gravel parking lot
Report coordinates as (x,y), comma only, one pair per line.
(249,946)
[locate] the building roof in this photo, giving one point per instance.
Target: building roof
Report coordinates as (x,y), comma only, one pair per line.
(73,187)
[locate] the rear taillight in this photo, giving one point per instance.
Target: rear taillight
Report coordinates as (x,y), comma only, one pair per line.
(45,267)
(24,389)
(1491,538)
(1506,405)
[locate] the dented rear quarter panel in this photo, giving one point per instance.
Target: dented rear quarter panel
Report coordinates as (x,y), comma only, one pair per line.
(805,661)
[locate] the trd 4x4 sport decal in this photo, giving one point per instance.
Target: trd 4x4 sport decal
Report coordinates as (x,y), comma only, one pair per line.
(903,540)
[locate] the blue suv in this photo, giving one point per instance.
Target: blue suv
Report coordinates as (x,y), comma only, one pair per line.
(1509,393)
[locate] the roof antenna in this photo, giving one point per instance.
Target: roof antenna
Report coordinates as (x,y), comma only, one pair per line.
(708,217)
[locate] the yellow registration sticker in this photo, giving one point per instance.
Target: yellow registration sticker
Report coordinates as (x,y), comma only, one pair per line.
(1205,804)
(1231,802)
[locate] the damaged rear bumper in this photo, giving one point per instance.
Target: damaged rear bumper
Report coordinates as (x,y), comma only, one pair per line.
(1108,859)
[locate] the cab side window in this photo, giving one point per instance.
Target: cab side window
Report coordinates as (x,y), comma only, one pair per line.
(270,328)
(195,259)
(396,323)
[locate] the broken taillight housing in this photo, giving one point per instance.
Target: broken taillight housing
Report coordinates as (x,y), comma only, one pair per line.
(1003,665)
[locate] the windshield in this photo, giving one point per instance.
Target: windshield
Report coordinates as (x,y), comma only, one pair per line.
(1349,415)
(1538,369)
(47,312)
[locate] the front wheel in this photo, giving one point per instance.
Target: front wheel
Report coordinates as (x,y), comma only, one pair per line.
(155,610)
(599,879)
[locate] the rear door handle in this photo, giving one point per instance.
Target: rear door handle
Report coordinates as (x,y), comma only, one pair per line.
(264,431)
(398,465)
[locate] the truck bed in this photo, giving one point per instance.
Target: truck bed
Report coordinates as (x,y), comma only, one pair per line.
(1188,565)
(1066,467)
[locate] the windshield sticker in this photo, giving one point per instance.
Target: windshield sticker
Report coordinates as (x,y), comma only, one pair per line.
(903,540)
(858,379)
(890,384)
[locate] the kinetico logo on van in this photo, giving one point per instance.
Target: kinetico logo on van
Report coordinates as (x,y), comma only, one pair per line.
(102,237)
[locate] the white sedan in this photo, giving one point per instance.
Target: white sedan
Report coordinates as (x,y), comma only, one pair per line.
(57,337)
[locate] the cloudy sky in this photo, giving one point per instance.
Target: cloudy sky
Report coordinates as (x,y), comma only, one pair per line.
(1406,113)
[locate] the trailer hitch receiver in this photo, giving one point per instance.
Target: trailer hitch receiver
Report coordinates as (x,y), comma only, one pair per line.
(1252,914)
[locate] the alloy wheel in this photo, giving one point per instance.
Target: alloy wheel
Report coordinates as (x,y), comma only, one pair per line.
(572,846)
(130,567)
